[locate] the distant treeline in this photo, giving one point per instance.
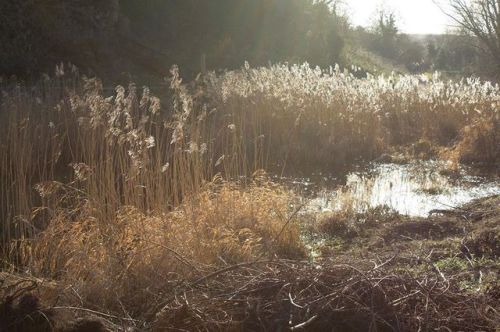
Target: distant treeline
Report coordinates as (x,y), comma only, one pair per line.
(457,54)
(452,54)
(145,38)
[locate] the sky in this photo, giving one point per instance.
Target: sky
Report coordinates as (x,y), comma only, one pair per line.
(414,16)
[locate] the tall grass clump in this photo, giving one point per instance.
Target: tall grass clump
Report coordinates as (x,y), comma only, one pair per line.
(322,119)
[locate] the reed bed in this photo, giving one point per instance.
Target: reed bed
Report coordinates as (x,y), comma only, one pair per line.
(133,203)
(67,145)
(321,119)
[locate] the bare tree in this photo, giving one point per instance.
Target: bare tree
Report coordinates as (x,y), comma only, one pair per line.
(481,18)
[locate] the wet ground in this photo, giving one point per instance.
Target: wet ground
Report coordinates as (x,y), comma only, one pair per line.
(414,189)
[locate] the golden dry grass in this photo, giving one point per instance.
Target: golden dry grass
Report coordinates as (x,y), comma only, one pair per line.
(116,264)
(321,119)
(110,193)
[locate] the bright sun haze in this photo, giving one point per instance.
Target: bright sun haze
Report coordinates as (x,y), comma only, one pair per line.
(414,16)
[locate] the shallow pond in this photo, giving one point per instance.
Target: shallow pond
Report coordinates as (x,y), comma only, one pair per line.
(413,189)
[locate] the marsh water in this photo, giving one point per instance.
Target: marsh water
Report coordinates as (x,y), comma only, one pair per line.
(413,189)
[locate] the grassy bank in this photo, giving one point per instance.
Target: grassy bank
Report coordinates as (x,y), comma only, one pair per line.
(156,214)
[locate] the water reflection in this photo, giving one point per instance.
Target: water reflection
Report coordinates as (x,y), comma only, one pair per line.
(413,189)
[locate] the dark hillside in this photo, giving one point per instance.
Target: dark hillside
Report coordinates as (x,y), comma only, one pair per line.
(110,37)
